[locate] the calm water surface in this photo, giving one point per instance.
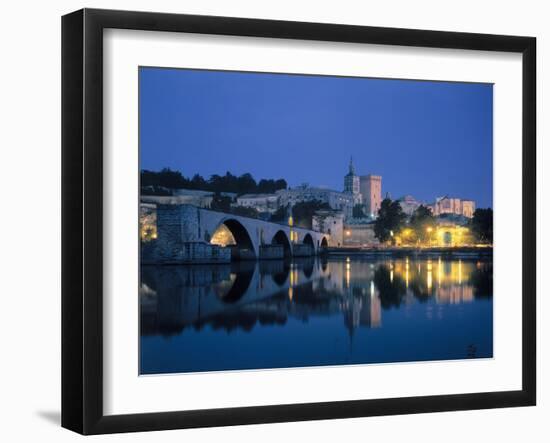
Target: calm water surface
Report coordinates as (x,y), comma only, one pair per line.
(310,312)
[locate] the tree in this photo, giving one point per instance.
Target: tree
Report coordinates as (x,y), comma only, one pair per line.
(279,215)
(270,186)
(245,211)
(246,184)
(166,178)
(220,203)
(155,190)
(280,184)
(390,219)
(303,212)
(423,223)
(391,289)
(359,211)
(198,182)
(152,181)
(482,280)
(482,225)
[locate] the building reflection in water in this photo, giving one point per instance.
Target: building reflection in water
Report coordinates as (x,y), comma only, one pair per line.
(247,294)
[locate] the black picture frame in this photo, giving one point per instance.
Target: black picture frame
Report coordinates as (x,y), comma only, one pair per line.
(82,215)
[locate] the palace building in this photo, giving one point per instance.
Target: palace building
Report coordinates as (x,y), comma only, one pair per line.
(341,201)
(451,205)
(371,190)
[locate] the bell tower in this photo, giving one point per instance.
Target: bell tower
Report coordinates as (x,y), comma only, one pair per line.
(351,181)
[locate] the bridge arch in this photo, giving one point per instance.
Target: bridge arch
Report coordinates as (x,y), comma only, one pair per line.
(280,238)
(281,277)
(242,279)
(308,240)
(237,238)
(324,243)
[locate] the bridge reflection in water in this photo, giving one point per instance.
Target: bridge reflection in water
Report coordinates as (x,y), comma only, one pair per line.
(313,311)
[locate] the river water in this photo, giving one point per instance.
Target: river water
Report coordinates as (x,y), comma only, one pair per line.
(311,312)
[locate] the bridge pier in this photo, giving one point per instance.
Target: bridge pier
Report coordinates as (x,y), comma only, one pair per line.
(302,250)
(241,254)
(271,252)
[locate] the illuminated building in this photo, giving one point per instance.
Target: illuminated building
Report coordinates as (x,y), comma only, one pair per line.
(448,233)
(452,205)
(359,233)
(409,204)
(468,208)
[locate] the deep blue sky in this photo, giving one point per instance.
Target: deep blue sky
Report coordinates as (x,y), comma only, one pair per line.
(425,138)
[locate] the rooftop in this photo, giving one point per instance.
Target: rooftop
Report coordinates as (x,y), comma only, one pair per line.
(360,221)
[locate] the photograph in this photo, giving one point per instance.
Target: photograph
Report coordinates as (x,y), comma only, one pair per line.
(290,220)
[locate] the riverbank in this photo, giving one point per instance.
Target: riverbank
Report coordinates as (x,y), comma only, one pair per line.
(452,252)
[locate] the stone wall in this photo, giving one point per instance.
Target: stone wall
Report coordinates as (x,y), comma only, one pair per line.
(179,239)
(360,235)
(332,223)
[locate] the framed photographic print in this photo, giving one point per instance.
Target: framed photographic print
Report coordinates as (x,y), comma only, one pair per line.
(270,221)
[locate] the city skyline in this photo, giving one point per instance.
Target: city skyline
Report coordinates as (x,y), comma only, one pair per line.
(325,274)
(285,119)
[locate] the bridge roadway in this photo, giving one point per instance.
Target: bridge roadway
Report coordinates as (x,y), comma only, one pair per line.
(181,224)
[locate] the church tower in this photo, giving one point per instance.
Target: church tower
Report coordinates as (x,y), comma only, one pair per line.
(351,181)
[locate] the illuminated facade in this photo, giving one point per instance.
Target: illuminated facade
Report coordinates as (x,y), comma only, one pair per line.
(147,222)
(452,205)
(445,234)
(468,208)
(359,233)
(453,235)
(409,204)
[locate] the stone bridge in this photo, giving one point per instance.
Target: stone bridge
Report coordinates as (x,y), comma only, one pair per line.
(184,226)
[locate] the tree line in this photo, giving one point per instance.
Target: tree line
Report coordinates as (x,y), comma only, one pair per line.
(156,182)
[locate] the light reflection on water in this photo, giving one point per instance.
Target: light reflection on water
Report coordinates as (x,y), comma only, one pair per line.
(308,312)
